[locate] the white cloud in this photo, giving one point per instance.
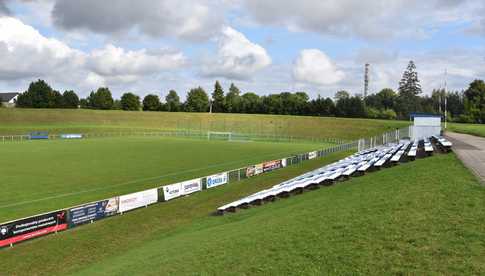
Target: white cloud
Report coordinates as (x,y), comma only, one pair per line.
(24,52)
(115,62)
(36,12)
(25,55)
(366,19)
(236,57)
(183,19)
(315,67)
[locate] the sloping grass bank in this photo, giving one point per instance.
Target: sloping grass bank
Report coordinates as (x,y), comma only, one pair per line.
(472,129)
(23,121)
(424,217)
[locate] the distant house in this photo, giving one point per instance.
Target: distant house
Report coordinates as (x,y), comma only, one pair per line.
(8,99)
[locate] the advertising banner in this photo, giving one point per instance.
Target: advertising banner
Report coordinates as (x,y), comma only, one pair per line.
(283,162)
(272,165)
(217,180)
(254,170)
(39,135)
(172,191)
(71,136)
(32,227)
(137,200)
(93,211)
(191,186)
(312,155)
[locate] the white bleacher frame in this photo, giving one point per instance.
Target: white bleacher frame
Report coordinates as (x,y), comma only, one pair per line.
(356,164)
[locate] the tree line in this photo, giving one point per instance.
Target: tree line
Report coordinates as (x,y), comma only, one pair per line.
(462,106)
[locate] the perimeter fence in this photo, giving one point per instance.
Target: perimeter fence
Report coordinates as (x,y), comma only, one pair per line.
(51,222)
(177,133)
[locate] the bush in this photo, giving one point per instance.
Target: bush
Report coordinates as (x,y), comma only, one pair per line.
(464,118)
(372,113)
(388,114)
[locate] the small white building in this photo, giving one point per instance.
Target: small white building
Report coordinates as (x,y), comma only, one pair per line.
(8,99)
(425,125)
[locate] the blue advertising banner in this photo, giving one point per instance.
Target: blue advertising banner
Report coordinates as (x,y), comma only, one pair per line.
(216,180)
(39,135)
(93,211)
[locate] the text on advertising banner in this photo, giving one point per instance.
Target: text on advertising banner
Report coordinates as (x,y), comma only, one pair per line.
(28,228)
(191,186)
(93,211)
(272,165)
(254,170)
(216,180)
(172,191)
(137,200)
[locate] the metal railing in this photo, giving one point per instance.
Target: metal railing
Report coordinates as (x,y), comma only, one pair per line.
(184,134)
(393,136)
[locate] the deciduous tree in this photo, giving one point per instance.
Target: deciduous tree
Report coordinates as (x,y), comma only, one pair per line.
(130,102)
(151,103)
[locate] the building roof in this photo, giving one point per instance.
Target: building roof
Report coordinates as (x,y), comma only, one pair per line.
(417,114)
(6,97)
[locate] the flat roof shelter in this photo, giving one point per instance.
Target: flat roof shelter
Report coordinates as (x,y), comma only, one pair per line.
(425,125)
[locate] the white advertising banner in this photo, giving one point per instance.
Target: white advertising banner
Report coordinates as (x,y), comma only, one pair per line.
(137,200)
(254,170)
(283,162)
(172,191)
(191,186)
(312,155)
(217,180)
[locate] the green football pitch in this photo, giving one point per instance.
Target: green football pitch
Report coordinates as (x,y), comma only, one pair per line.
(40,176)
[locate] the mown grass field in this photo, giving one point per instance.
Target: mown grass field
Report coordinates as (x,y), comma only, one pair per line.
(473,129)
(39,176)
(424,217)
(23,121)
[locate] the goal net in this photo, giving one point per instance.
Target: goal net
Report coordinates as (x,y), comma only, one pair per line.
(217,135)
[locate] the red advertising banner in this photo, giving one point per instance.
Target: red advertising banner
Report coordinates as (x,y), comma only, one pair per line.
(272,165)
(29,228)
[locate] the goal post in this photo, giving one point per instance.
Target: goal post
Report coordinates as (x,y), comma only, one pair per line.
(219,135)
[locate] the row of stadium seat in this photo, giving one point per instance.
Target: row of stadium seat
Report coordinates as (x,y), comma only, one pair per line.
(354,165)
(442,143)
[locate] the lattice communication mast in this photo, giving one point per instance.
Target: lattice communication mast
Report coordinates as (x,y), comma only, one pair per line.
(366,80)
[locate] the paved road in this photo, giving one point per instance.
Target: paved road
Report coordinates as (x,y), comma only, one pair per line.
(471,150)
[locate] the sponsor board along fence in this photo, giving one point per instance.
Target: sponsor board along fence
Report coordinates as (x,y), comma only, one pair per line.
(39,225)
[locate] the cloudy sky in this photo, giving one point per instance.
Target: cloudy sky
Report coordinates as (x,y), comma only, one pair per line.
(263,46)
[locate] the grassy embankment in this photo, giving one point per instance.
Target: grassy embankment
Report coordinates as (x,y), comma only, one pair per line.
(473,129)
(424,217)
(23,121)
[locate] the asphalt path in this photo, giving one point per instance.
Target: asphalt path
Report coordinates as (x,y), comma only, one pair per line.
(471,151)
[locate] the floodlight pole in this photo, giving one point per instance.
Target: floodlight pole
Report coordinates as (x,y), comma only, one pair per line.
(446,100)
